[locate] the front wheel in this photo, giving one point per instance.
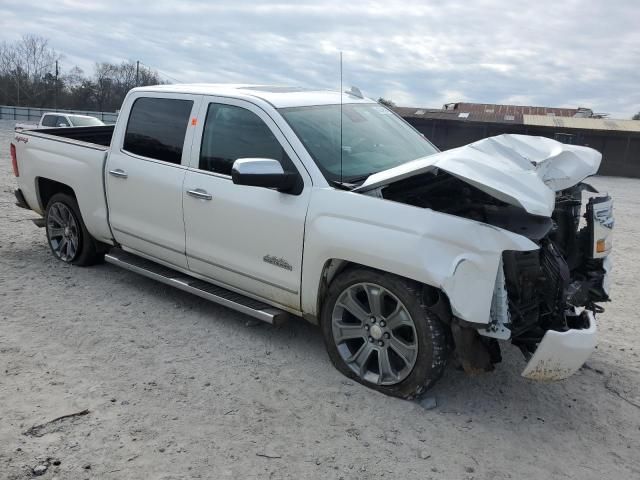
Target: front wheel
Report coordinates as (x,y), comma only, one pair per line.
(379,331)
(67,235)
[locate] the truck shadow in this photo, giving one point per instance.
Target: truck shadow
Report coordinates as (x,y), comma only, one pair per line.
(494,400)
(500,394)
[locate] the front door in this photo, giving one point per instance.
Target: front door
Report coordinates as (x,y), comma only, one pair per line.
(145,175)
(249,238)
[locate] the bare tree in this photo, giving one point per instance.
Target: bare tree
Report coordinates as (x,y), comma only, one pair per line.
(26,70)
(112,82)
(103,84)
(28,78)
(36,58)
(7,65)
(386,102)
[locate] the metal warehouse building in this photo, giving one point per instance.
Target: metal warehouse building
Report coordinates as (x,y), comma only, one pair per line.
(458,124)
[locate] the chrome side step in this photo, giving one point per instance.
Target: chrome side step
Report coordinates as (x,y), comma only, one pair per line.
(206,290)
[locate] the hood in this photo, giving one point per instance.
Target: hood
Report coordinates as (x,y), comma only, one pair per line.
(520,170)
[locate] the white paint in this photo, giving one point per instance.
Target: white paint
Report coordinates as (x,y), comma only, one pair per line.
(226,238)
(520,170)
(561,354)
(68,118)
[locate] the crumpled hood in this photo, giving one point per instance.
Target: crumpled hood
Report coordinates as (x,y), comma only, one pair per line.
(521,170)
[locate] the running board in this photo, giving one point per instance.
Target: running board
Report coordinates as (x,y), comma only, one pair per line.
(208,291)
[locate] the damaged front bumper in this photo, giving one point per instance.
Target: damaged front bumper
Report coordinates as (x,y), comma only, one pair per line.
(561,354)
(545,301)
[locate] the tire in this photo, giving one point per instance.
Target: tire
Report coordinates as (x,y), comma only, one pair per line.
(402,320)
(67,234)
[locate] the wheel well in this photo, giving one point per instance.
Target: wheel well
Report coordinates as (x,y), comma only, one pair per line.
(434,297)
(331,268)
(48,188)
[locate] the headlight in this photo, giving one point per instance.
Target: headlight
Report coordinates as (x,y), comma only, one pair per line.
(600,223)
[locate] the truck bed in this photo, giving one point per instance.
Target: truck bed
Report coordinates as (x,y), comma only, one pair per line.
(100,135)
(72,156)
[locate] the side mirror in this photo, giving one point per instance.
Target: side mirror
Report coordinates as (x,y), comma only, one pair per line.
(263,172)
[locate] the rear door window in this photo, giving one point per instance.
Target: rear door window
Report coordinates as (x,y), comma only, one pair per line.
(157,127)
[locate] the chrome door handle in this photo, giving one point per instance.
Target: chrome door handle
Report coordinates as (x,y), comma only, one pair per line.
(118,172)
(200,193)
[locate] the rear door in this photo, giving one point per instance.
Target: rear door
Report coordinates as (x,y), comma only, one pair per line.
(249,238)
(145,173)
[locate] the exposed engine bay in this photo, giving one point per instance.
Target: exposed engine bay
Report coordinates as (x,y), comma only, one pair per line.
(539,290)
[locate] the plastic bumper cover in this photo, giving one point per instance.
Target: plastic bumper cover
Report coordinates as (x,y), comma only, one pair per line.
(561,354)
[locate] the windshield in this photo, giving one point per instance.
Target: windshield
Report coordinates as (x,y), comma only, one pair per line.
(373,139)
(78,121)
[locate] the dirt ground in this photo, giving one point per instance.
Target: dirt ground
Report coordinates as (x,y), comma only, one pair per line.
(176,387)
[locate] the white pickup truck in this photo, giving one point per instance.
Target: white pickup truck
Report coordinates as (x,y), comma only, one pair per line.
(324,205)
(60,120)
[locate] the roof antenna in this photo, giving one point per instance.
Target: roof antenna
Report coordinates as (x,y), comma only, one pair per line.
(341,116)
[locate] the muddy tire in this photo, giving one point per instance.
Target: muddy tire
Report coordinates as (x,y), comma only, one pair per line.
(378,331)
(67,234)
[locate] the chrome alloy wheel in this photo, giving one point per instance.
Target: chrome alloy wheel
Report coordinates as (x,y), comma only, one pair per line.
(374,334)
(62,230)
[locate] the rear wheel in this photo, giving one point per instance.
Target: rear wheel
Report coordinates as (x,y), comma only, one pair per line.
(67,235)
(379,331)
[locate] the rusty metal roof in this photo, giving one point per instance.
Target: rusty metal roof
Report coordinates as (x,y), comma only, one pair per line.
(583,123)
(515,118)
(436,113)
(501,110)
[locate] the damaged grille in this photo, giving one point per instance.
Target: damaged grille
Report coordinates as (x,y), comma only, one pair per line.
(539,289)
(523,274)
(545,286)
(555,274)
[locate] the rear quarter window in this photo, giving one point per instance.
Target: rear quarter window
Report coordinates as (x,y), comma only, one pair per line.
(157,127)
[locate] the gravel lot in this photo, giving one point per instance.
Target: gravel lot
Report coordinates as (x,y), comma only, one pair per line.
(176,387)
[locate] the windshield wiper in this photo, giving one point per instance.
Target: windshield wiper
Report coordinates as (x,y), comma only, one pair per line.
(352,183)
(343,185)
(360,179)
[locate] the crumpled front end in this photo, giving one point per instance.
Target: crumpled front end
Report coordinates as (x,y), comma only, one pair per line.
(545,297)
(545,301)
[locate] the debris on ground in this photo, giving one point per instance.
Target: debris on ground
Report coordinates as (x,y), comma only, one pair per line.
(52,425)
(428,402)
(39,470)
(268,453)
(424,455)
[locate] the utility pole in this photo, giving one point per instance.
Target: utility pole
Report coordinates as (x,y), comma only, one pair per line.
(55,89)
(18,84)
(137,72)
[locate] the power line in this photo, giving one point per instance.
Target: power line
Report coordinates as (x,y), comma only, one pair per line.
(162,73)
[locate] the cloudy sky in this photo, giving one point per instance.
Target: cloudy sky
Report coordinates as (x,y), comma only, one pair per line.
(426,53)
